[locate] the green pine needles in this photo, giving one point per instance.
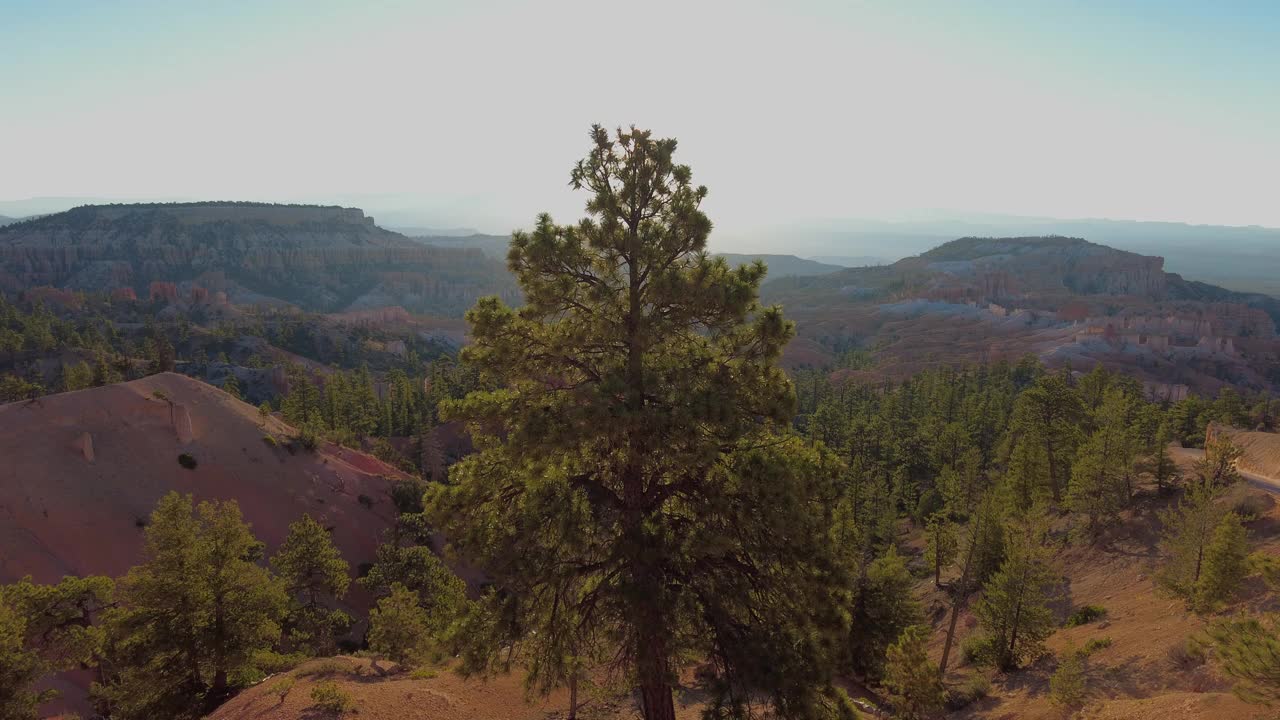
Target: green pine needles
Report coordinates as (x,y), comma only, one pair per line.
(635,485)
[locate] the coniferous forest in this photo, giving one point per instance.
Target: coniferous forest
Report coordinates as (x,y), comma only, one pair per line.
(648,497)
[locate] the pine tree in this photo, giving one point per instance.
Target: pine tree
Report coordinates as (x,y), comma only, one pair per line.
(161,354)
(1267,567)
(399,628)
(1218,466)
(1188,530)
(988,538)
(962,486)
(1049,412)
(1100,484)
(1225,564)
(245,601)
(14,388)
(1067,684)
(191,615)
(231,386)
(1187,420)
(1249,652)
(1026,471)
(940,552)
(1229,408)
(417,569)
(1092,388)
(56,633)
(883,608)
(1161,465)
(364,403)
(1014,609)
(430,456)
(915,690)
(301,404)
(104,370)
(316,576)
(76,376)
(20,668)
(984,551)
(634,448)
(950,443)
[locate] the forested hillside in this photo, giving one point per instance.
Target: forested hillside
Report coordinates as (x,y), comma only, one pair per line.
(1072,303)
(615,501)
(317,258)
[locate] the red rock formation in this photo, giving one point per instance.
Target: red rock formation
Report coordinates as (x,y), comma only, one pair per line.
(64,515)
(181,423)
(374,317)
(162,291)
(1165,392)
(124,294)
(310,256)
(54,296)
(84,444)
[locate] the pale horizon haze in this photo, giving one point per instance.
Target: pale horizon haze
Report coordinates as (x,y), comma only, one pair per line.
(471,114)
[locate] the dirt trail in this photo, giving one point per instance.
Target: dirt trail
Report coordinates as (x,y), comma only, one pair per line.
(1186,456)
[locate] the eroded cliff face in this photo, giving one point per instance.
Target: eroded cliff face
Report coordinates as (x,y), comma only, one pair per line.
(321,258)
(1009,268)
(1070,302)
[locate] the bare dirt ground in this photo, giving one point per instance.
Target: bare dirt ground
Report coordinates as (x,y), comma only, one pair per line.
(80,472)
(55,493)
(1259,464)
(443,695)
(1139,676)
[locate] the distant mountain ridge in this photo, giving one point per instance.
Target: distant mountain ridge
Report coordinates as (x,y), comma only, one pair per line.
(1071,302)
(323,258)
(783,265)
(1245,258)
(851,260)
(493,246)
(423,232)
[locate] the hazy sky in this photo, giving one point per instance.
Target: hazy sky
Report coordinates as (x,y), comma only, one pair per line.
(473,112)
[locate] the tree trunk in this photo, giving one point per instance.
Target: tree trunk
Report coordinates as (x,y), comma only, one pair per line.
(1199,561)
(1011,657)
(1053,470)
(951,634)
(573,696)
(960,599)
(219,652)
(656,698)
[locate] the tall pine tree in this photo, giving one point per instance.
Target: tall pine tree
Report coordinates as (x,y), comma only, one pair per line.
(316,576)
(1048,414)
(1191,529)
(635,450)
(191,615)
(1100,479)
(1249,652)
(1014,608)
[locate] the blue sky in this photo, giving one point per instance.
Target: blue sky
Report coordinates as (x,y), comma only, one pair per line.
(472,113)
